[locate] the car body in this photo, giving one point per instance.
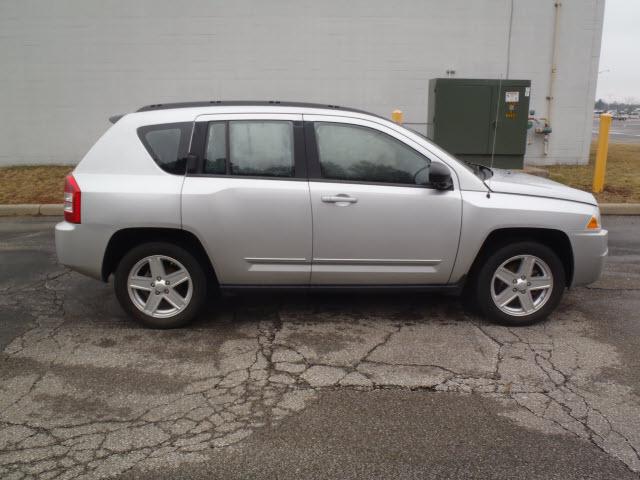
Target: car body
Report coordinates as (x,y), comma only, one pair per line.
(287,195)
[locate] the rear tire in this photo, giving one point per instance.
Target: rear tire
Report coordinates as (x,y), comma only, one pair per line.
(161,285)
(520,284)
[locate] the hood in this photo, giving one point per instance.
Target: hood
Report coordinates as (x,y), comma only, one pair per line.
(508,181)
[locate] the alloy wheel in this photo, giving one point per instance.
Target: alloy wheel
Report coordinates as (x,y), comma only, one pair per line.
(159,286)
(521,285)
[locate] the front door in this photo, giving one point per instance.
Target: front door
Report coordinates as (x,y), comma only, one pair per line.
(375,221)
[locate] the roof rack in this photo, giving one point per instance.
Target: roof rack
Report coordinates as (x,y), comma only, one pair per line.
(245,103)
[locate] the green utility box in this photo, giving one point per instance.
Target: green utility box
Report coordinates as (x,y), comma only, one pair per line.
(465,114)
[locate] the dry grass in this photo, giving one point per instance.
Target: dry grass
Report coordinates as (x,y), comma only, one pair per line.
(622,179)
(38,184)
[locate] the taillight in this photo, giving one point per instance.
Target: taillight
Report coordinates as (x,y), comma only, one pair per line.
(72,197)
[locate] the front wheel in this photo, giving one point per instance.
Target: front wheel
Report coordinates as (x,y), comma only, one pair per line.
(161,285)
(520,284)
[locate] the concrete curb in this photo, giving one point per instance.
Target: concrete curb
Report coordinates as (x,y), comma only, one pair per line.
(620,208)
(56,209)
(32,209)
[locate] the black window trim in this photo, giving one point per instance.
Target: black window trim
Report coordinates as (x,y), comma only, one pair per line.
(184,145)
(313,158)
(199,146)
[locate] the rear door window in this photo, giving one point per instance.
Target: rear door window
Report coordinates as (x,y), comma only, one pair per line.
(261,148)
(168,145)
(253,148)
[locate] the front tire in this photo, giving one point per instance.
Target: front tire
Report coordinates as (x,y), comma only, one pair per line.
(520,284)
(161,285)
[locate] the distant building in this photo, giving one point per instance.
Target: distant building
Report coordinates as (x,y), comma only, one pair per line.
(68,66)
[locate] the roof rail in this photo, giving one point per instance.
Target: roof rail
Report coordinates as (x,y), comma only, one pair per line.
(244,103)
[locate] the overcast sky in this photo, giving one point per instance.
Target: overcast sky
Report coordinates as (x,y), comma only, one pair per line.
(620,51)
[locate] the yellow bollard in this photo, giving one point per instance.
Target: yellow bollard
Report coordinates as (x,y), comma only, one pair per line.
(397,116)
(601,154)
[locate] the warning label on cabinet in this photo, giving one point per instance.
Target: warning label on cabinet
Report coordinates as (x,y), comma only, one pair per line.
(512,97)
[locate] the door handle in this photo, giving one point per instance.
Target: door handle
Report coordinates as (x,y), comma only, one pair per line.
(340,198)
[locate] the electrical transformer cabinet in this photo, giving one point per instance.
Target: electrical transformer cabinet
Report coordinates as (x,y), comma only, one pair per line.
(471,118)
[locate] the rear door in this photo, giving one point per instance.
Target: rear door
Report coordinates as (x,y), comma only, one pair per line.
(248,200)
(374,219)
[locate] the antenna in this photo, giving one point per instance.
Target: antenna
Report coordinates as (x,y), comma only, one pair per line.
(495,127)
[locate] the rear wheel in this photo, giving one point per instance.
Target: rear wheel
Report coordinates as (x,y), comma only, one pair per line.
(161,285)
(520,284)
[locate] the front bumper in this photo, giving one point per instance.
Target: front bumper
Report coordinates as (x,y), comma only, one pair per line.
(589,252)
(81,248)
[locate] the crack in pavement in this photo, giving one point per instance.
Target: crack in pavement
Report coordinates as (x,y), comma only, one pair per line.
(83,398)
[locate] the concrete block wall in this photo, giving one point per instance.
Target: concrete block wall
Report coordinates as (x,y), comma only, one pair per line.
(70,64)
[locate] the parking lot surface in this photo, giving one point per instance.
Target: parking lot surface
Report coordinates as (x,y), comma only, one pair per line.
(314,386)
(622,131)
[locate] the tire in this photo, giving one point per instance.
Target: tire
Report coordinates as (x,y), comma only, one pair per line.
(500,278)
(172,301)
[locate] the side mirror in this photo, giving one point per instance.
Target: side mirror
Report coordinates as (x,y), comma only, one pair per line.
(440,177)
(192,163)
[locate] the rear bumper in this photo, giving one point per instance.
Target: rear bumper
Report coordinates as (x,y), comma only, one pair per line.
(81,248)
(589,252)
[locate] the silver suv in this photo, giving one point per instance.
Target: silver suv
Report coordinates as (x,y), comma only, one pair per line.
(175,200)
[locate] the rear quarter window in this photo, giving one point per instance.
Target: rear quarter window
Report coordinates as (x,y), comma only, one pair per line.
(168,145)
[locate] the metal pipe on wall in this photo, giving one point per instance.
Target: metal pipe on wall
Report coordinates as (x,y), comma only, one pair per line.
(509,40)
(554,60)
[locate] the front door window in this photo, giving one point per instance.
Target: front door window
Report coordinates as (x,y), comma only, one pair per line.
(356,153)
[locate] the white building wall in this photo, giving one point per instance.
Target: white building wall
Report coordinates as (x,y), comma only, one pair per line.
(66,66)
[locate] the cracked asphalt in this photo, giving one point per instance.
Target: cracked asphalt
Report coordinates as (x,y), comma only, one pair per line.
(314,386)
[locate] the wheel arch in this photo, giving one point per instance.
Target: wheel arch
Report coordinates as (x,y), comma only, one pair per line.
(124,240)
(556,240)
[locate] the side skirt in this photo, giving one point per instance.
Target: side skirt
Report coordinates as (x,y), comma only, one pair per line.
(449,289)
